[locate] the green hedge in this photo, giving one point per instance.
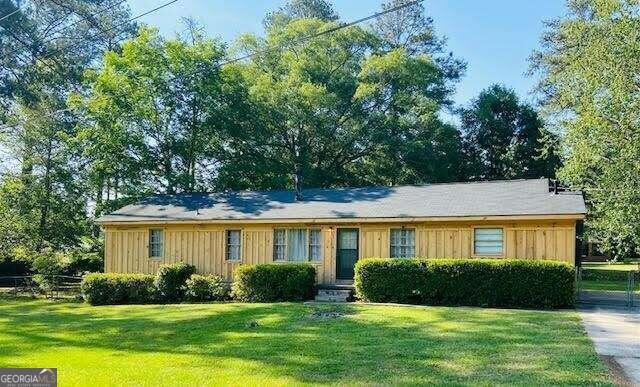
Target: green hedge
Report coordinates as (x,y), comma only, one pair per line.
(202,288)
(118,288)
(474,282)
(171,281)
(274,282)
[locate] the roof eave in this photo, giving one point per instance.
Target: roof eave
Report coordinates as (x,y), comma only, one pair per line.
(571,216)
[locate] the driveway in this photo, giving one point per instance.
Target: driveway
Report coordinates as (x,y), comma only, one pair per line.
(616,334)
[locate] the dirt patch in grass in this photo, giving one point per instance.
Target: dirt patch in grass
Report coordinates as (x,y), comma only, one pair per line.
(620,378)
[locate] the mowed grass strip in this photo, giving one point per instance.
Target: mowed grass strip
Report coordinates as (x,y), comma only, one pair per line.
(296,344)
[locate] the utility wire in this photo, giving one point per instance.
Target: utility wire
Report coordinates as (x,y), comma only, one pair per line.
(10,14)
(40,59)
(325,32)
(82,18)
(295,42)
(115,26)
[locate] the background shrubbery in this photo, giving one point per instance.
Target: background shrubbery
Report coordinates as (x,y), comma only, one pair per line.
(476,282)
(202,288)
(85,258)
(274,282)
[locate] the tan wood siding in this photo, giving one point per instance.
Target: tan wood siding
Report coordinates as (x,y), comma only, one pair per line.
(374,242)
(127,248)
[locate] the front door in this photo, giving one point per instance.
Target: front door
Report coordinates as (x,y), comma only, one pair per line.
(346,253)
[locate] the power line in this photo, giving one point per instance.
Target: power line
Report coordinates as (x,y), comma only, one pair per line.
(9,14)
(40,59)
(325,32)
(98,12)
(116,26)
(295,42)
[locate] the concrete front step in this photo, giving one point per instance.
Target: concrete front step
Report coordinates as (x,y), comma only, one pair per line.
(333,295)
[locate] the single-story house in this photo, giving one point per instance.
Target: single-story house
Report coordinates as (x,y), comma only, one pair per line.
(333,228)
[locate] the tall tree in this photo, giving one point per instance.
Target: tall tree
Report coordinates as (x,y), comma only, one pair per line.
(506,139)
(300,9)
(348,108)
(46,47)
(590,63)
(308,127)
(155,114)
(410,79)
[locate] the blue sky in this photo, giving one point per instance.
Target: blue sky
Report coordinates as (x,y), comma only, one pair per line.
(495,37)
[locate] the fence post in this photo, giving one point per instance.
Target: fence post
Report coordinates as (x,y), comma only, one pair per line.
(629,289)
(578,282)
(632,288)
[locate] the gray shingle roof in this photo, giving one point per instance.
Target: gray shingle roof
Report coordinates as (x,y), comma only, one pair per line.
(516,197)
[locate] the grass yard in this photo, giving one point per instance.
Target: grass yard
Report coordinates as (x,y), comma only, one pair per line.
(619,286)
(612,266)
(292,344)
(608,284)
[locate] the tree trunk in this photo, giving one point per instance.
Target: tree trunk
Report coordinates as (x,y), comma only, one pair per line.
(46,198)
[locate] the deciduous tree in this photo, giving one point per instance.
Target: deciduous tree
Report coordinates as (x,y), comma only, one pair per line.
(590,63)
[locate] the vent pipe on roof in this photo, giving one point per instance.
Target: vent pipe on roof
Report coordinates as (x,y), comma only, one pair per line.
(555,187)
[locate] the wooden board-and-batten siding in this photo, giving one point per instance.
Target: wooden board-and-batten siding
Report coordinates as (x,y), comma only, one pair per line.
(203,245)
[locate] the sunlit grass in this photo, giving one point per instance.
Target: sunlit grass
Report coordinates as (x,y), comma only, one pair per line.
(292,344)
(612,266)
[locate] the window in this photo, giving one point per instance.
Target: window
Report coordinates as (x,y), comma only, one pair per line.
(297,245)
(279,245)
(403,243)
(487,241)
(233,245)
(315,245)
(156,239)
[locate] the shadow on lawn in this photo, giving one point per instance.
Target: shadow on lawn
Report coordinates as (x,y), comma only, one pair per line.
(366,346)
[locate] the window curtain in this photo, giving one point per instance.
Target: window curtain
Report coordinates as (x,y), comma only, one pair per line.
(279,245)
(297,245)
(233,245)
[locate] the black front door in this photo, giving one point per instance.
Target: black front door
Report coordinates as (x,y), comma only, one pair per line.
(346,253)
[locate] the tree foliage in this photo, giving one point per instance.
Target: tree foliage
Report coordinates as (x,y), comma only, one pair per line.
(155,113)
(591,66)
(45,48)
(506,139)
(92,123)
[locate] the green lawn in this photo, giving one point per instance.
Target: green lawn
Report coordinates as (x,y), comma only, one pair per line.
(288,344)
(610,266)
(603,268)
(620,286)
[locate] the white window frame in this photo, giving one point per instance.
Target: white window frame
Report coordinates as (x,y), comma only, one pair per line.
(406,246)
(500,254)
(283,245)
(227,245)
(308,244)
(312,245)
(156,246)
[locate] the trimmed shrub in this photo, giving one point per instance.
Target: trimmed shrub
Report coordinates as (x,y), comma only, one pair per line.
(274,282)
(206,288)
(117,288)
(171,281)
(475,282)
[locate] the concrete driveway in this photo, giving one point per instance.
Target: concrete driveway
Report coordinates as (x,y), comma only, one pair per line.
(616,334)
